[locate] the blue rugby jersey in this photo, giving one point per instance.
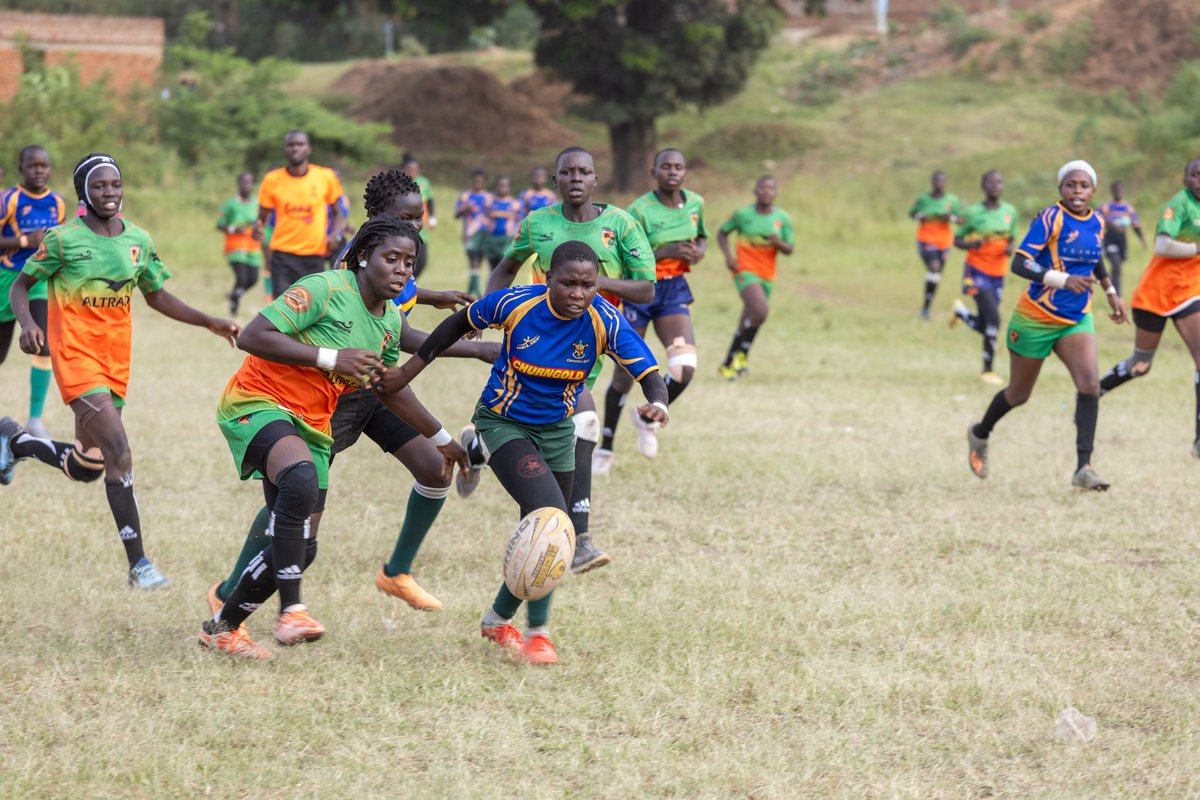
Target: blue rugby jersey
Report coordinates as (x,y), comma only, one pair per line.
(22,212)
(1059,240)
(545,359)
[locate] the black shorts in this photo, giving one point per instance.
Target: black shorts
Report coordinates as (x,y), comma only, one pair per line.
(37,310)
(260,447)
(1154,323)
(1116,244)
(287,268)
(360,412)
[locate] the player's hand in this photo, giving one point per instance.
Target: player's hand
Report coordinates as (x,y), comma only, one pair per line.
(450,299)
(454,455)
(654,413)
(1118,309)
(358,364)
(257,230)
(32,340)
(775,241)
(488,352)
(388,380)
(227,329)
(1079,284)
(689,251)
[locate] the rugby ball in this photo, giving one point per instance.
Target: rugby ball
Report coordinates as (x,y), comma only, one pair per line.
(539,553)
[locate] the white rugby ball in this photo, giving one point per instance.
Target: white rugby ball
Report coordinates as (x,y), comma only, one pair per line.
(539,553)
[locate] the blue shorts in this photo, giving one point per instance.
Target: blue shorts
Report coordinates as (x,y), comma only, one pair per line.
(671,296)
(932,254)
(976,282)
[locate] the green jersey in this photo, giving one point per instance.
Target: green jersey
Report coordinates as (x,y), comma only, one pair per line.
(240,246)
(935,215)
(667,225)
(755,253)
(1180,218)
(996,228)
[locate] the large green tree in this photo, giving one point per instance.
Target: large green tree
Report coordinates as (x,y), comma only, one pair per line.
(639,59)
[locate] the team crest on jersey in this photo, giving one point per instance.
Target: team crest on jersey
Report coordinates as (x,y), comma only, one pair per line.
(1008,219)
(579,349)
(1072,236)
(135,253)
(298,299)
(1168,213)
(387,338)
(609,236)
(1014,336)
(695,218)
(42,252)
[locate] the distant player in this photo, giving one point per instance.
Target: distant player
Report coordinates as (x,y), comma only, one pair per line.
(1119,218)
(503,216)
(764,231)
(1169,290)
(674,223)
(538,195)
(26,212)
(321,338)
(935,212)
(303,196)
(626,274)
(471,207)
(1061,257)
(412,167)
(92,265)
(236,221)
(554,335)
(987,232)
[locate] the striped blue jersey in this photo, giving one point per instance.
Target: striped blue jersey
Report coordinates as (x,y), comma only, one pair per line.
(22,212)
(1059,240)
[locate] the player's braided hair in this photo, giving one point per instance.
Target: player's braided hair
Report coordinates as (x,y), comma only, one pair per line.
(383,188)
(573,251)
(372,233)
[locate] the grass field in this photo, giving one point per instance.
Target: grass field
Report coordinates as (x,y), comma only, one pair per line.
(810,595)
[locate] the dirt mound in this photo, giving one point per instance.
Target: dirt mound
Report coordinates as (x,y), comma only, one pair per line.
(544,90)
(450,108)
(1138,44)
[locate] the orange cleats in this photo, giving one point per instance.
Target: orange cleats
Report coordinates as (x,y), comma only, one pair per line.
(404,587)
(215,603)
(539,650)
(977,453)
(505,635)
(295,627)
(221,638)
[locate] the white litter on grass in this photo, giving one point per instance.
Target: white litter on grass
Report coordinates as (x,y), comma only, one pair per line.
(1073,726)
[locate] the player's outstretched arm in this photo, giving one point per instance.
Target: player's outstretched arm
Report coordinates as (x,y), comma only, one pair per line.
(261,338)
(626,288)
(445,335)
(171,306)
(411,340)
(447,299)
(405,405)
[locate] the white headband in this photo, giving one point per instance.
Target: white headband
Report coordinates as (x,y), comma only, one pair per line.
(1078,164)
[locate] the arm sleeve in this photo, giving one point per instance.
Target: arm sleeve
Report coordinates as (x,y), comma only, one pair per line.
(1170,222)
(391,349)
(785,232)
(701,230)
(521,247)
(154,275)
(302,305)
(1037,237)
(1026,268)
(47,259)
(449,331)
(223,216)
(654,387)
(1167,247)
(1099,271)
(266,193)
(334,193)
(637,258)
(730,225)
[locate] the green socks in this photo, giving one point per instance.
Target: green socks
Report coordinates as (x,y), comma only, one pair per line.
(256,541)
(507,603)
(39,385)
(424,505)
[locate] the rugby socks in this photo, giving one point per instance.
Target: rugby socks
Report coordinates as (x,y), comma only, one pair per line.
(1123,372)
(39,385)
(424,505)
(930,290)
(1087,408)
(539,611)
(505,605)
(254,588)
(47,451)
(473,283)
(581,488)
(491,618)
(989,348)
(741,343)
(998,408)
(674,388)
(256,541)
(123,504)
(287,560)
(614,402)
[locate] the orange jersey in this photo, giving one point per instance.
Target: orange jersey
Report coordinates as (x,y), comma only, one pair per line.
(1167,285)
(936,233)
(301,206)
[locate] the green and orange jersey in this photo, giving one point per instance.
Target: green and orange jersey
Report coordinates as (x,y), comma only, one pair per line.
(936,214)
(91,279)
(1169,284)
(619,242)
(668,225)
(240,246)
(426,196)
(301,205)
(755,253)
(996,228)
(325,310)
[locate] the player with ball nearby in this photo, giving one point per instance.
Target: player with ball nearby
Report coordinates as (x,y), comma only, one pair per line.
(553,335)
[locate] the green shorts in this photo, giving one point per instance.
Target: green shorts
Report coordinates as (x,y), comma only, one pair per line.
(555,441)
(252,257)
(117,400)
(476,244)
(240,432)
(743,279)
(1037,339)
(494,247)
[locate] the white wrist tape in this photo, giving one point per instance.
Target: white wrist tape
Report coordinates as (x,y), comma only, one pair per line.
(1055,279)
(1111,289)
(441,438)
(327,358)
(661,405)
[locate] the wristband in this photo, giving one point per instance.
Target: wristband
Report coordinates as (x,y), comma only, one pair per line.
(1111,289)
(23,240)
(661,405)
(327,358)
(1055,279)
(441,438)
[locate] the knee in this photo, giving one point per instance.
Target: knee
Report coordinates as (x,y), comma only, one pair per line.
(587,426)
(1017,397)
(83,464)
(428,472)
(756,316)
(298,492)
(682,360)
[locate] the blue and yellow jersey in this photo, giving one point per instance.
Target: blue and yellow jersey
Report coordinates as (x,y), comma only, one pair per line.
(407,298)
(504,214)
(1119,216)
(474,206)
(22,212)
(1059,240)
(546,358)
(533,199)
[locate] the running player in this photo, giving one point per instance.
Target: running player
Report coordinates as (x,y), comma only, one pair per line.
(538,195)
(1169,289)
(412,168)
(471,207)
(554,334)
(936,211)
(26,212)
(503,216)
(388,194)
(763,232)
(236,221)
(626,273)
(1119,218)
(987,232)
(1061,257)
(322,337)
(92,265)
(303,196)
(674,223)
